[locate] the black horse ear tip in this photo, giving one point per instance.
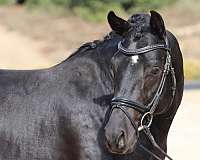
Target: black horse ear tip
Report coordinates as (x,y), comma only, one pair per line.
(111,13)
(154,13)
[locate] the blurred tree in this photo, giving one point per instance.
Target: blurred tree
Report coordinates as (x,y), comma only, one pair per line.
(20,1)
(97,9)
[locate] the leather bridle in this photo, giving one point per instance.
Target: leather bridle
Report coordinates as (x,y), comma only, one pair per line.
(147,111)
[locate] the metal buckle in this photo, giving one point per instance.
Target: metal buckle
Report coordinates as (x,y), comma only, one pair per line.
(146,121)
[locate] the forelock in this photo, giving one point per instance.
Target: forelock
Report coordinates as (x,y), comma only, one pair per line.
(140,22)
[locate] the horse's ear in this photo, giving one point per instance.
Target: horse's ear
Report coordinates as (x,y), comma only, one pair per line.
(118,24)
(157,24)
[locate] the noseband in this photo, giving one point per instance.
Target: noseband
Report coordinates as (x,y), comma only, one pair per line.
(147,111)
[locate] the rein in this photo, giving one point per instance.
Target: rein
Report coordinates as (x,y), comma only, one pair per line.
(147,111)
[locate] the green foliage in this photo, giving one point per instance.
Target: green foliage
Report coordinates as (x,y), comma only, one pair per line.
(6,1)
(144,5)
(56,7)
(95,10)
(98,8)
(46,3)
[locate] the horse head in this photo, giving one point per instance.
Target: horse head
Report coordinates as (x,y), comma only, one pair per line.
(141,68)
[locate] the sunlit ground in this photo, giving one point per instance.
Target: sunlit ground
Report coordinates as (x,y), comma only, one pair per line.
(183,140)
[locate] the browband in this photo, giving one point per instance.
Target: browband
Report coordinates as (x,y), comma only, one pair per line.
(130,52)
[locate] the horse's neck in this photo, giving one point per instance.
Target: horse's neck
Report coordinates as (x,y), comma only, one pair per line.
(93,64)
(161,124)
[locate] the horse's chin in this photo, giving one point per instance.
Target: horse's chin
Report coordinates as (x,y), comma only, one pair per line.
(121,153)
(126,151)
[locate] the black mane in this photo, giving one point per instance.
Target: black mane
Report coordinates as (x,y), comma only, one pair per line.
(94,44)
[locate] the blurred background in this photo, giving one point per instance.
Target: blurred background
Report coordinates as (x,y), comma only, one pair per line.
(41,33)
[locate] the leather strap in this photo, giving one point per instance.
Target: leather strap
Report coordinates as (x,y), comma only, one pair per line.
(130,104)
(130,52)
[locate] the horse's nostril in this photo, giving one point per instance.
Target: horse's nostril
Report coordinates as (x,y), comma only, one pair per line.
(121,141)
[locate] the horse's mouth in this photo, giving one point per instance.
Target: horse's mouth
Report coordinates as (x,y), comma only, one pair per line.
(123,151)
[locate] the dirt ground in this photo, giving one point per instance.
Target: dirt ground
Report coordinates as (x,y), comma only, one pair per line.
(18,51)
(183,140)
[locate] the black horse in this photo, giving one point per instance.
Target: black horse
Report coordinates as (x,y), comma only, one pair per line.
(58,113)
(148,86)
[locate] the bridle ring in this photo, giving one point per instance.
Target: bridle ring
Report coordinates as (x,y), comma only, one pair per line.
(145,121)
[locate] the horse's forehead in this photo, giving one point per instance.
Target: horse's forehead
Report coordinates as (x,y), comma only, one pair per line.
(148,58)
(154,57)
(134,59)
(139,40)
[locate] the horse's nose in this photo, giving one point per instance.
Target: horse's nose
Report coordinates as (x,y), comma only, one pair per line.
(116,142)
(120,141)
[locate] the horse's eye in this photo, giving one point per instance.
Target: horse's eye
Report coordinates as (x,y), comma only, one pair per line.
(155,71)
